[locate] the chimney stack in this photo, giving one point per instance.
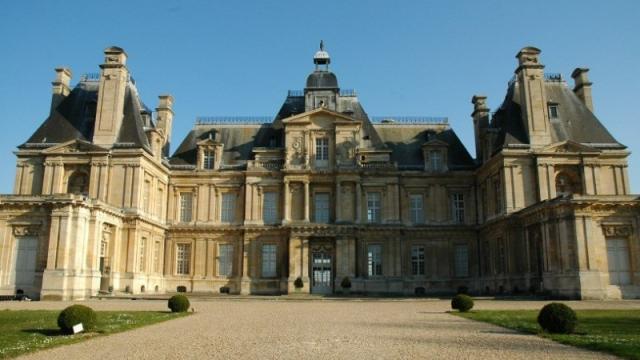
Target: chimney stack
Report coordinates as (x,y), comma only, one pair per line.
(164,119)
(480,117)
(60,88)
(114,77)
(533,97)
(582,87)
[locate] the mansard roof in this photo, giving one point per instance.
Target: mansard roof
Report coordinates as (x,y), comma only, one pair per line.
(575,121)
(74,119)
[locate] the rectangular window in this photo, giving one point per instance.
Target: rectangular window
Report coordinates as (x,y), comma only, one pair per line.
(186,206)
(209,159)
(374,260)
(435,156)
(417,208)
(141,252)
(269,260)
(417,260)
(146,196)
(159,202)
(322,208)
(156,257)
(228,213)
(457,204)
(373,207)
(225,260)
(183,259)
(270,208)
(461,260)
(553,111)
(322,149)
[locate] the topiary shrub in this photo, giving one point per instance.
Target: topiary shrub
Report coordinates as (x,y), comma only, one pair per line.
(179,303)
(345,283)
(557,318)
(74,315)
(298,283)
(462,303)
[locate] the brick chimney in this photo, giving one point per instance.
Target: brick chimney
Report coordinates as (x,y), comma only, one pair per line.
(480,117)
(60,88)
(582,87)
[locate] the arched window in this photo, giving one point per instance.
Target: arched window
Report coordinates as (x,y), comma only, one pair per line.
(78,183)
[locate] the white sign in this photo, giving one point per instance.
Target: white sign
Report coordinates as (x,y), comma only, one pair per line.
(78,328)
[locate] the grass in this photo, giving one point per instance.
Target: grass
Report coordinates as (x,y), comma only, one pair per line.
(24,331)
(613,331)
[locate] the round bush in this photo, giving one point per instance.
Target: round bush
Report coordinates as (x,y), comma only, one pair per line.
(557,318)
(179,303)
(345,283)
(74,315)
(462,303)
(298,283)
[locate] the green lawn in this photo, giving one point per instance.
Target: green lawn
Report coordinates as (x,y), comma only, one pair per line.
(29,330)
(613,331)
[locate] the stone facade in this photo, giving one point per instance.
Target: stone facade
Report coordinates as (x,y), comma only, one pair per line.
(321,192)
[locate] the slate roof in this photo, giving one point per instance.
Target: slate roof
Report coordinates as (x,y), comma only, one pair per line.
(575,121)
(74,118)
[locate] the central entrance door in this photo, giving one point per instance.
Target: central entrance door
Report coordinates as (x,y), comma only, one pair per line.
(321,272)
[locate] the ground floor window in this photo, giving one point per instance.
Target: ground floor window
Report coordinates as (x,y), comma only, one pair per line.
(374,260)
(618,259)
(461,260)
(226,260)
(269,260)
(183,259)
(417,260)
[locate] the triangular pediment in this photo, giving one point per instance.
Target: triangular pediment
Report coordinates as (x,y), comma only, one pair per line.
(74,147)
(569,146)
(305,117)
(435,143)
(208,141)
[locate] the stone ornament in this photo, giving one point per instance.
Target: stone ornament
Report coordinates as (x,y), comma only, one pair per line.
(617,230)
(26,230)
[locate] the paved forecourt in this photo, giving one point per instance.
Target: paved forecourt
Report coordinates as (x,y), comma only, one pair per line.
(272,328)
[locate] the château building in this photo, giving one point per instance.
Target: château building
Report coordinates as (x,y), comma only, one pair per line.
(320,192)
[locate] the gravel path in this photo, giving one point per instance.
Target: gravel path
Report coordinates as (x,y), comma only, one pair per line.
(276,329)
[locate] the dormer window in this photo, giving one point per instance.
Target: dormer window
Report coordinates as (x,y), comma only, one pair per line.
(209,159)
(553,111)
(434,152)
(435,158)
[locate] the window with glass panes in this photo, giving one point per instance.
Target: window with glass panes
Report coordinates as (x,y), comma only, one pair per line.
(183,259)
(226,260)
(228,207)
(322,149)
(374,260)
(209,159)
(435,156)
(186,206)
(417,208)
(417,260)
(373,207)
(270,207)
(457,202)
(461,261)
(269,260)
(321,201)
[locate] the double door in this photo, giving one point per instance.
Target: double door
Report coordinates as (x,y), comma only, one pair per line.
(321,272)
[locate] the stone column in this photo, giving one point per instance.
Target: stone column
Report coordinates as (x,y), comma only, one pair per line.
(306,201)
(358,203)
(287,202)
(338,205)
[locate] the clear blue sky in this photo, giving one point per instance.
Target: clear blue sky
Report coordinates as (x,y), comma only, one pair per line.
(240,57)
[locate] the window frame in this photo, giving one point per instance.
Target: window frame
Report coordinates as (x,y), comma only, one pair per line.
(553,111)
(374,207)
(183,206)
(270,207)
(269,264)
(416,214)
(225,260)
(374,260)
(183,259)
(418,263)
(323,216)
(457,261)
(208,159)
(228,208)
(458,207)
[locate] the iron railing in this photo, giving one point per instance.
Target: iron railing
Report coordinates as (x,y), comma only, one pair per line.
(435,120)
(222,120)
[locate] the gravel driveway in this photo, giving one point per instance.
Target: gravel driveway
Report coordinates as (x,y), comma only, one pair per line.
(268,328)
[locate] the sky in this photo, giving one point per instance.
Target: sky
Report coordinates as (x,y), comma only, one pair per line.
(240,57)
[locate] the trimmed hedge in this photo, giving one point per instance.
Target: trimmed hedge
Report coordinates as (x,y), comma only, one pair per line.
(557,318)
(74,315)
(179,303)
(462,303)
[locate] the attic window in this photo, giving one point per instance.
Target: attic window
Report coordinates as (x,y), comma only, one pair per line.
(553,111)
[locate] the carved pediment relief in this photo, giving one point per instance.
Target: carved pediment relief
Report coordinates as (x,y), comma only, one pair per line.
(26,230)
(74,147)
(307,117)
(570,147)
(618,230)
